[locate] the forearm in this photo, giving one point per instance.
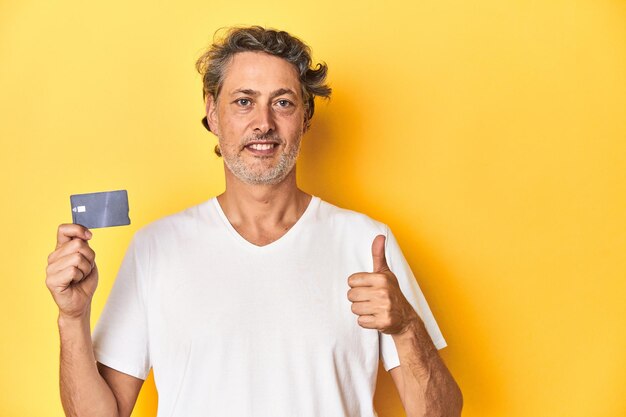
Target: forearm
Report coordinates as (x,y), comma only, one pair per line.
(428,387)
(83,391)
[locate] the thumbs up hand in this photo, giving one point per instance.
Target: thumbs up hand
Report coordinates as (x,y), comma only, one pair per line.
(376,297)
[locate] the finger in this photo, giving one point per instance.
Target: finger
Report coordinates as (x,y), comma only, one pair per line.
(61,280)
(75,260)
(367,322)
(378,254)
(73,246)
(367,279)
(361,279)
(362,308)
(67,232)
(359,294)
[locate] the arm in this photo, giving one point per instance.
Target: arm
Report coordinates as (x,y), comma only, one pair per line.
(424,383)
(72,278)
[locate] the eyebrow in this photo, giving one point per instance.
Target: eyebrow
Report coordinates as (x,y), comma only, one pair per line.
(273,94)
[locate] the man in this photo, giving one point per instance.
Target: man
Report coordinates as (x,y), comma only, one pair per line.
(263,301)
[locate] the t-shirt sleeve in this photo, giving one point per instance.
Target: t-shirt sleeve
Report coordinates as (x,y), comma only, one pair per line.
(120,338)
(411,290)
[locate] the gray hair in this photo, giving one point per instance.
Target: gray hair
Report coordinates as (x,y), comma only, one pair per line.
(213,63)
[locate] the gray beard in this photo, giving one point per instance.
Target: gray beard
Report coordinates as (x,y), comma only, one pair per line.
(273,176)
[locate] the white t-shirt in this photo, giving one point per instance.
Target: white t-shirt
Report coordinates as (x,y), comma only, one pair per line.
(234,329)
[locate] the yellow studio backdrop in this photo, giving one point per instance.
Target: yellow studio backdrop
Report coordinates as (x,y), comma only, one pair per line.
(490,135)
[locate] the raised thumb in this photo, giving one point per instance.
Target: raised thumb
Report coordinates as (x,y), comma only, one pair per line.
(378,254)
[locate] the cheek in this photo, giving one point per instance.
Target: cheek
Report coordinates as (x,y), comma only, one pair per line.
(232,121)
(231,131)
(295,124)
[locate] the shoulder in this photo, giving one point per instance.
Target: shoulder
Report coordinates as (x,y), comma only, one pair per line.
(350,220)
(177,224)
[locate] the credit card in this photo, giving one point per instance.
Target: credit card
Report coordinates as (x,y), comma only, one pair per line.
(106,209)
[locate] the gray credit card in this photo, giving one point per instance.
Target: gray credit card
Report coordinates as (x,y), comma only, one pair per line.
(95,210)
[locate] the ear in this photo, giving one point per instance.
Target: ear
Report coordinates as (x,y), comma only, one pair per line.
(211,114)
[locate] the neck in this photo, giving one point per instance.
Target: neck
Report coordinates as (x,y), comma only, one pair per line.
(256,207)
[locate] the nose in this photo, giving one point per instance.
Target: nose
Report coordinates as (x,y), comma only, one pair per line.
(263,120)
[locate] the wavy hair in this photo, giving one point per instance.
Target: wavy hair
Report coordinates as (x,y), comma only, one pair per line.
(213,63)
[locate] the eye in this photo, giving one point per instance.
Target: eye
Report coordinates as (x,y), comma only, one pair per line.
(243,102)
(284,103)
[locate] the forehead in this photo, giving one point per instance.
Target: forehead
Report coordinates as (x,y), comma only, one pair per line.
(260,72)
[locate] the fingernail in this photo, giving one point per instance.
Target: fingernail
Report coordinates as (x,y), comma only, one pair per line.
(88,234)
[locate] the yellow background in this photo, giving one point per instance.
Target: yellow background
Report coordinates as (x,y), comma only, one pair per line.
(490,135)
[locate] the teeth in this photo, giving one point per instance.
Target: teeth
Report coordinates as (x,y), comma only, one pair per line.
(262,146)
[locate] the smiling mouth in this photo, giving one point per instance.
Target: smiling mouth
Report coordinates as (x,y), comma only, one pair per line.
(261,146)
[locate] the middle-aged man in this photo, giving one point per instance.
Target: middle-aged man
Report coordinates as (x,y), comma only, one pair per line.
(263,301)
